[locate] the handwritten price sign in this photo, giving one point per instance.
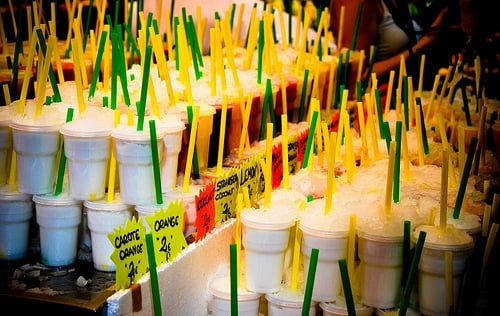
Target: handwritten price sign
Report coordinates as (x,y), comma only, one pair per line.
(205,211)
(130,254)
(226,192)
(250,173)
(167,231)
(277,165)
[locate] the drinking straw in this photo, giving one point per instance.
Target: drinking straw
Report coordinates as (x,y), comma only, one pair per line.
(341,27)
(156,161)
(283,29)
(236,33)
(95,74)
(351,246)
(311,274)
(303,95)
(222,134)
(233,267)
(196,171)
(444,189)
(405,300)
(370,66)
(480,140)
(62,159)
(284,102)
(162,63)
(302,49)
(421,75)
(229,51)
(397,162)
(78,79)
(269,164)
(387,133)
(420,135)
(425,142)
(346,285)
(371,125)
(112,161)
(6,94)
(338,81)
(465,177)
(284,150)
(192,140)
(244,129)
(42,80)
(356,26)
(52,77)
(406,112)
(432,97)
(310,136)
(466,102)
(87,24)
(489,247)
(237,233)
(448,280)
(296,257)
(389,180)
(260,51)
(379,114)
(17,50)
(77,45)
(406,250)
(349,148)
(155,289)
(389,92)
(330,87)
(144,89)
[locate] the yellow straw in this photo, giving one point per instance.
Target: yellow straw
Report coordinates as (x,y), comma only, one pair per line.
(371,126)
(168,28)
(444,189)
(246,197)
(411,101)
(43,78)
(112,161)
(389,92)
(448,277)
(192,140)
(13,168)
(252,39)
(27,75)
(420,141)
(6,94)
(405,153)
(222,134)
(431,98)
(360,65)
(421,75)
(77,46)
(130,117)
(229,50)
(390,180)
(297,29)
(341,27)
(30,23)
(330,180)
(350,159)
(461,147)
(364,142)
(236,35)
(284,40)
(302,50)
(351,246)
(213,64)
(444,86)
(296,256)
(486,220)
(244,129)
(283,94)
(489,246)
(331,86)
(284,150)
(268,164)
(237,232)
(162,63)
(78,79)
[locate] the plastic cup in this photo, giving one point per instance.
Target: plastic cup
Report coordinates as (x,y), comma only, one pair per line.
(287,302)
(220,299)
(36,149)
(104,217)
(332,247)
(265,239)
(381,267)
(135,163)
(5,143)
(16,210)
(339,308)
(58,218)
(188,202)
(431,269)
(87,148)
(172,146)
(145,210)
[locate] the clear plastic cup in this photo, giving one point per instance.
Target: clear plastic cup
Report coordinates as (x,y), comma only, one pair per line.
(87,148)
(188,202)
(431,269)
(135,163)
(339,308)
(36,149)
(103,218)
(172,146)
(58,218)
(16,210)
(332,246)
(265,239)
(5,143)
(287,302)
(220,299)
(381,267)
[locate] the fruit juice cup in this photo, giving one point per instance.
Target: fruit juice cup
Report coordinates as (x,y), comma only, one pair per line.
(431,268)
(36,149)
(172,142)
(220,299)
(381,267)
(188,203)
(291,95)
(5,143)
(148,209)
(339,308)
(215,136)
(103,218)
(16,210)
(288,302)
(58,218)
(332,245)
(135,163)
(87,148)
(265,237)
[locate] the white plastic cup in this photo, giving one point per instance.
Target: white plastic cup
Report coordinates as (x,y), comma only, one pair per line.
(339,308)
(332,246)
(381,267)
(287,302)
(88,154)
(431,268)
(135,164)
(189,204)
(16,210)
(58,218)
(5,144)
(172,146)
(220,299)
(103,218)
(146,210)
(36,150)
(265,243)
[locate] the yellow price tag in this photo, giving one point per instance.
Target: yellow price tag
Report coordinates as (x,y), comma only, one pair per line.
(250,177)
(226,192)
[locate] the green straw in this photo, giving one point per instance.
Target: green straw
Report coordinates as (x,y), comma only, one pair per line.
(422,123)
(176,42)
(87,24)
(345,75)
(196,168)
(356,26)
(311,274)
(155,289)
(310,137)
(405,300)
(270,103)
(117,5)
(260,51)
(465,177)
(387,133)
(144,88)
(303,96)
(406,250)
(346,285)
(380,115)
(466,103)
(370,67)
(114,71)
(156,161)
(121,65)
(62,158)
(231,21)
(359,91)
(233,267)
(172,6)
(95,75)
(263,118)
(52,76)
(397,162)
(194,36)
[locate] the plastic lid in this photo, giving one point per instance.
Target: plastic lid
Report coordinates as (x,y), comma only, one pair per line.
(448,238)
(150,208)
(88,127)
(51,199)
(287,297)
(339,308)
(221,288)
(126,132)
(10,193)
(35,128)
(104,205)
(171,124)
(265,219)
